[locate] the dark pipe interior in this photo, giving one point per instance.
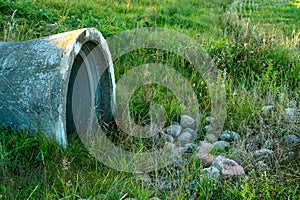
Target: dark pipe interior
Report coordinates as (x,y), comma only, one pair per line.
(81,98)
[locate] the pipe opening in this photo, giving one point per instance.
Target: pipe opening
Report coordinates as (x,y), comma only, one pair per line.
(90,90)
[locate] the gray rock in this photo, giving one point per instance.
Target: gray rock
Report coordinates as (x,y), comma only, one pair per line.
(205,146)
(228,167)
(212,172)
(175,123)
(190,147)
(187,122)
(230,136)
(205,158)
(267,109)
(290,113)
(262,153)
(209,129)
(290,140)
(185,137)
(221,145)
(209,120)
(262,166)
(211,138)
(173,130)
(225,137)
(191,131)
(168,138)
(178,152)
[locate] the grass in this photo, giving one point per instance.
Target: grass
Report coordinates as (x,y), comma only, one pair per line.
(255,45)
(274,15)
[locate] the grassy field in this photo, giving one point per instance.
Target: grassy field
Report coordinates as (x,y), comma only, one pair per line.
(255,45)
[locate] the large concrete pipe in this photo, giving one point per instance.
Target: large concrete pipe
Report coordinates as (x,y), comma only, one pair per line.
(38,88)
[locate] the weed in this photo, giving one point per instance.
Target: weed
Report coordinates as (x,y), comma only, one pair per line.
(255,45)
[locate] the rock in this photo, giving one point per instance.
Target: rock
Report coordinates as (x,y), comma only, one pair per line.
(205,158)
(185,137)
(186,149)
(191,131)
(290,113)
(262,166)
(189,148)
(178,152)
(290,140)
(211,138)
(173,130)
(209,120)
(205,147)
(154,198)
(262,153)
(212,172)
(187,122)
(221,145)
(168,138)
(209,129)
(228,167)
(225,136)
(230,136)
(175,123)
(267,109)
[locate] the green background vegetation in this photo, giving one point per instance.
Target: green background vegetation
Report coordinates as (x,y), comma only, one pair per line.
(255,44)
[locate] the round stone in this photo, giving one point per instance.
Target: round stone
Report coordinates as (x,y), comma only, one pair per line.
(209,120)
(191,131)
(205,146)
(173,130)
(187,122)
(290,140)
(168,138)
(228,167)
(211,138)
(230,136)
(212,172)
(290,113)
(205,158)
(185,137)
(221,145)
(190,147)
(262,153)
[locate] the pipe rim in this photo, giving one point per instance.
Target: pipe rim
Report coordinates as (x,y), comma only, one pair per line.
(73,45)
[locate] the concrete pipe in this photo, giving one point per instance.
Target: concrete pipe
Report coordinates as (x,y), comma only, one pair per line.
(44,80)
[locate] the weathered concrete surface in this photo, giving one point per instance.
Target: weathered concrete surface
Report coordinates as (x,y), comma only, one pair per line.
(35,78)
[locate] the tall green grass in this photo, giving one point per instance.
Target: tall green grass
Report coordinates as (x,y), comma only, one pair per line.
(255,45)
